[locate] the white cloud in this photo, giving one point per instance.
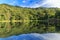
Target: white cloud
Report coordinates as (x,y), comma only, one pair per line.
(24,1)
(34,5)
(54,3)
(47,3)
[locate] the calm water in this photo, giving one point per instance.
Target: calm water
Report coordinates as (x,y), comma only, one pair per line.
(34,36)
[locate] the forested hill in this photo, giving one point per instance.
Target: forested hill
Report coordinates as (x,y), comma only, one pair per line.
(17,20)
(31,12)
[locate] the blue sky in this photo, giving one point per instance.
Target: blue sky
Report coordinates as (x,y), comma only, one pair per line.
(33,3)
(23,3)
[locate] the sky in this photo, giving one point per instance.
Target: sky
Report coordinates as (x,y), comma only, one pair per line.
(32,3)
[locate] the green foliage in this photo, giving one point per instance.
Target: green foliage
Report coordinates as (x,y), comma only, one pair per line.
(16,20)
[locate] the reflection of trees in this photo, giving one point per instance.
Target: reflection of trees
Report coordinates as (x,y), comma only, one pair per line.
(41,26)
(2,17)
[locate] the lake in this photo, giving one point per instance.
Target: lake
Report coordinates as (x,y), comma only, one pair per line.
(34,36)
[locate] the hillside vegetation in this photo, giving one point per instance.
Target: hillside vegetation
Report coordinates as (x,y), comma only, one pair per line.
(16,20)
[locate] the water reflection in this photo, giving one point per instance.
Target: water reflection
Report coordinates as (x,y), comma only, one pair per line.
(16,27)
(34,36)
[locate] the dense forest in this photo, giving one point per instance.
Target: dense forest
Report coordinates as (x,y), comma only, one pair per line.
(16,20)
